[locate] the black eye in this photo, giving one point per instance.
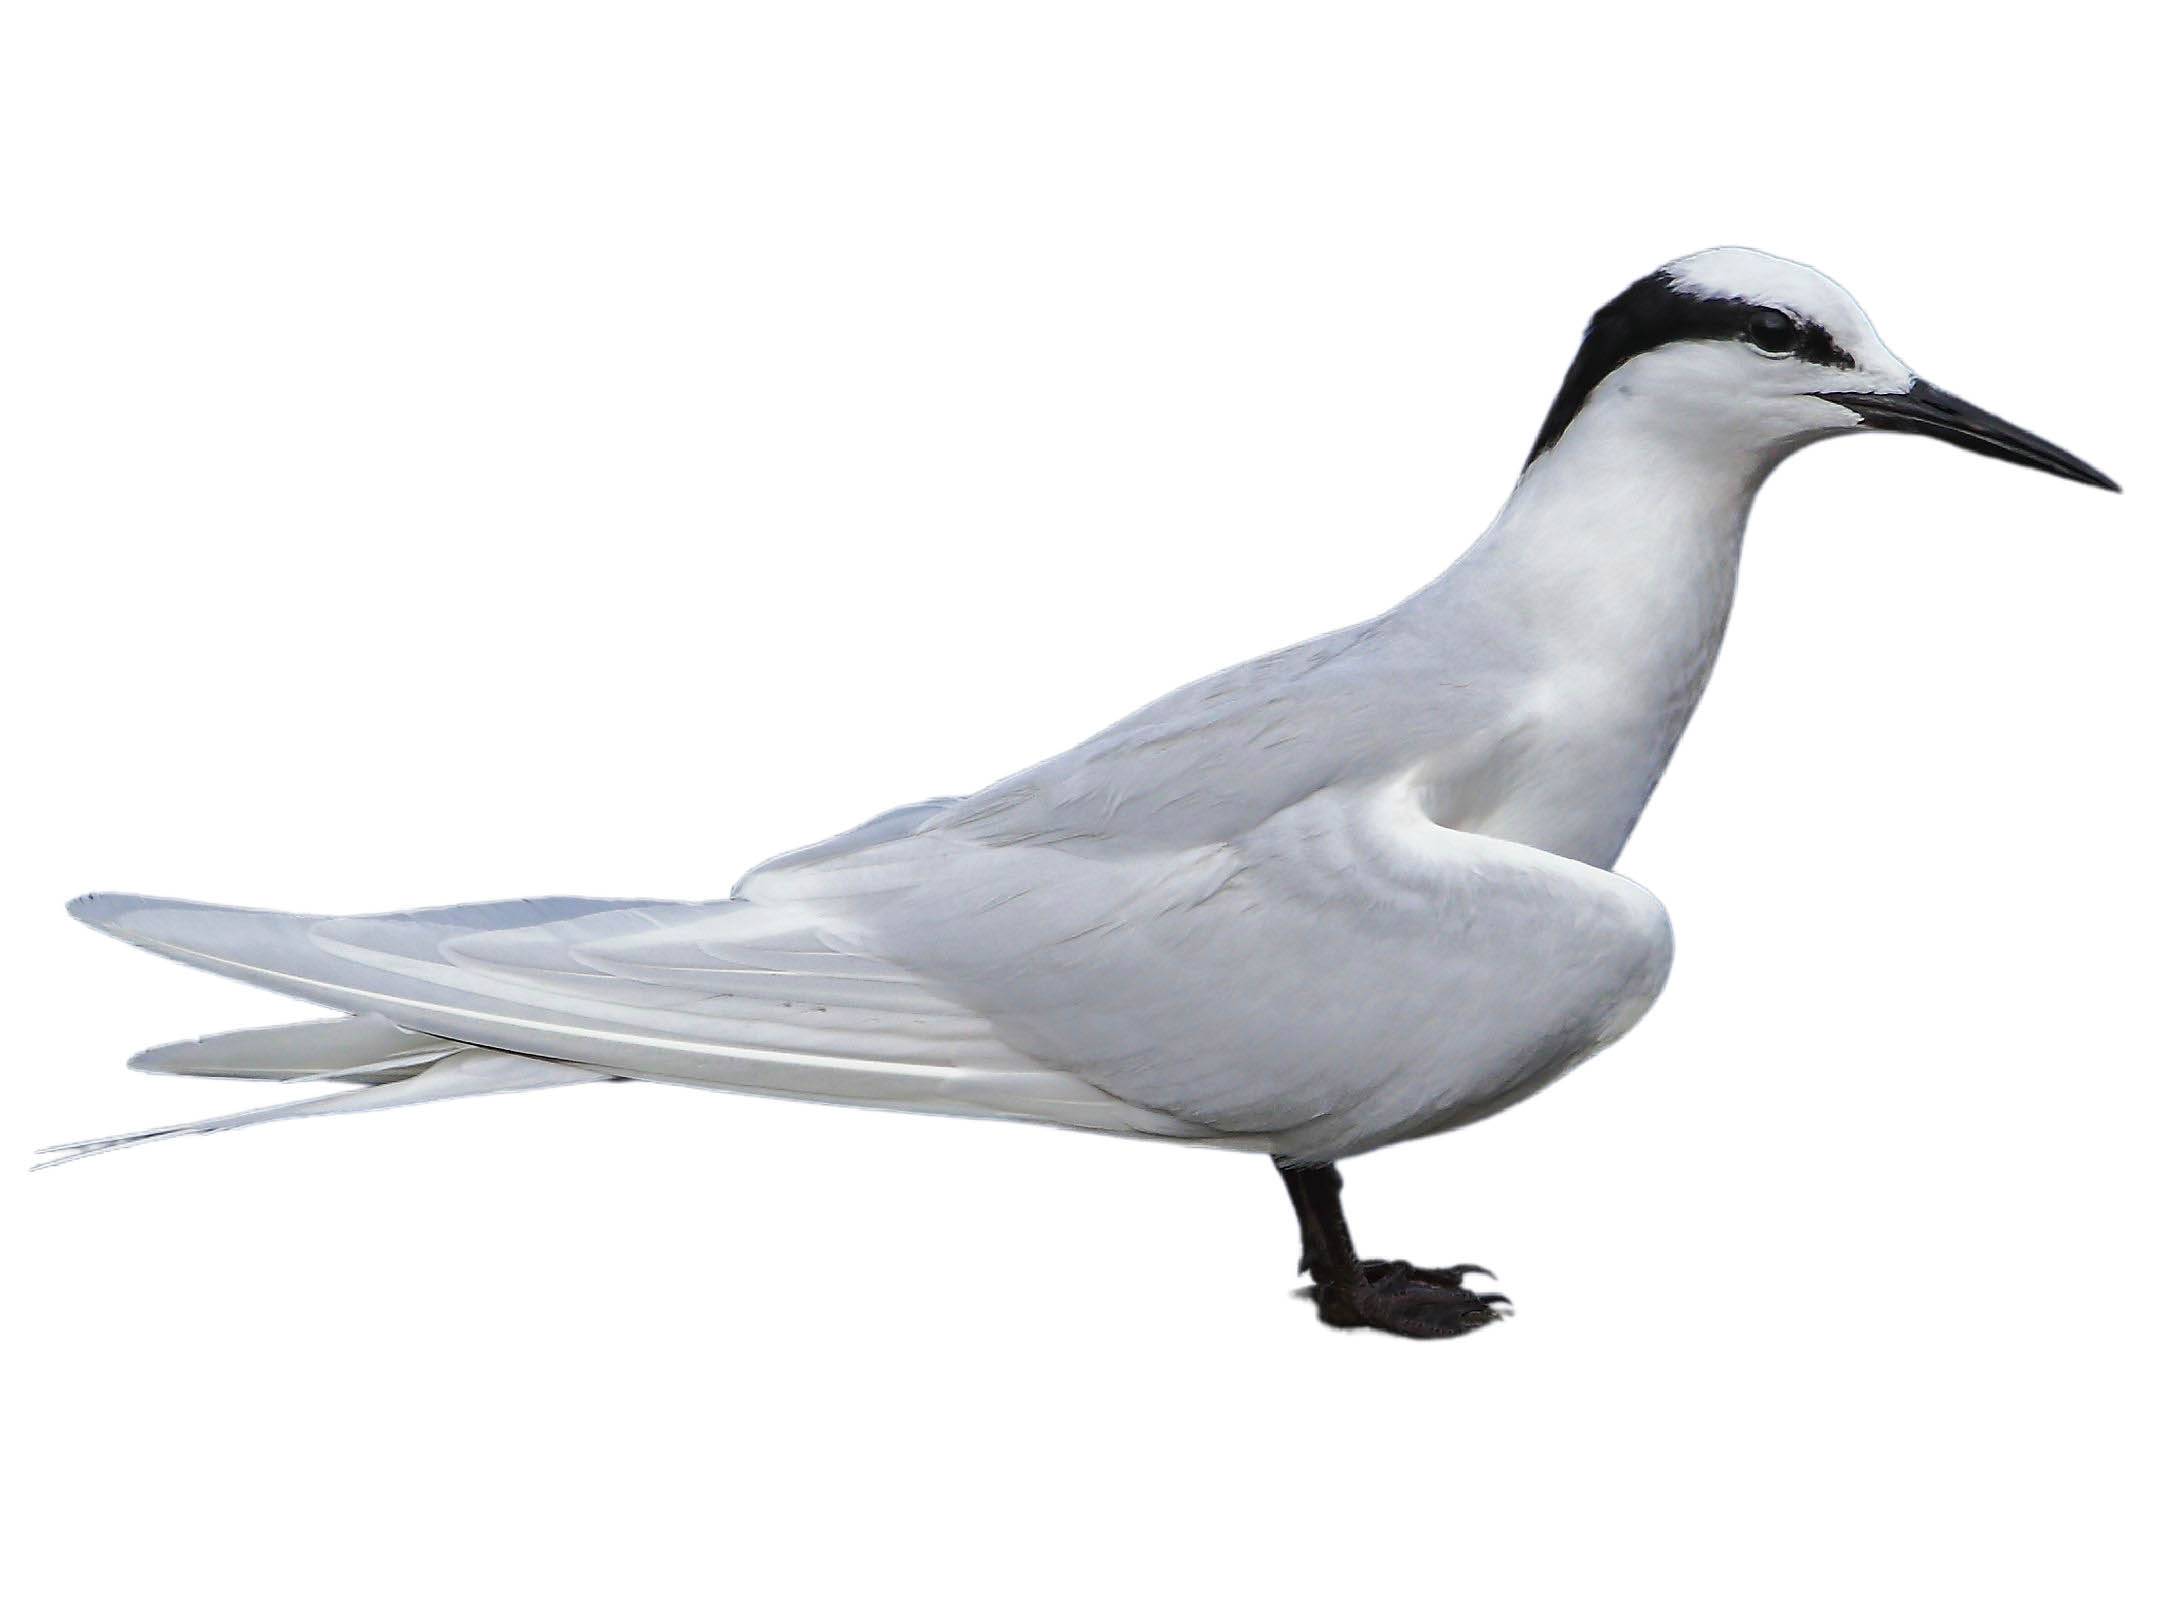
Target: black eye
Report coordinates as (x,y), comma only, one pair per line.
(1773,331)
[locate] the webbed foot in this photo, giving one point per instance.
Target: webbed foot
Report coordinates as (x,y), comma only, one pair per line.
(1413,1302)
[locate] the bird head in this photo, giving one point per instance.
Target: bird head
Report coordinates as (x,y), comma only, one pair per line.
(1735,351)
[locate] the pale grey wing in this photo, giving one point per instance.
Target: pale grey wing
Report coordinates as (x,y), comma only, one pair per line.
(757,978)
(1218,755)
(724,993)
(1214,758)
(1345,974)
(880,829)
(755,998)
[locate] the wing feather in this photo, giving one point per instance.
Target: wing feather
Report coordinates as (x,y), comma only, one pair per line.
(433,972)
(1344,974)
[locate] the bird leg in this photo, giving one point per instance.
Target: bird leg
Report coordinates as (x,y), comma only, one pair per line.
(1390,1295)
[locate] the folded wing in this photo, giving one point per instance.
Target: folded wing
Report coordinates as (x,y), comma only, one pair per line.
(1344,974)
(724,994)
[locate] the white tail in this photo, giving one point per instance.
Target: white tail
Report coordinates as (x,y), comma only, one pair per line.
(466,1073)
(360,1045)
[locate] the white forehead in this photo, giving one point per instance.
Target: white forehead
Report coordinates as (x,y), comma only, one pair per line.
(1761,278)
(1799,289)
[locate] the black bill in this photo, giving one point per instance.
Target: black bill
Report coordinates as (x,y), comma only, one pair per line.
(1924,408)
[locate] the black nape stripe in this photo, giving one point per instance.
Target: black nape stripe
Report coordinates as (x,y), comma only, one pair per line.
(1649,315)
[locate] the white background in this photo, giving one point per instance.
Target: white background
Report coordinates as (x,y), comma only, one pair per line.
(466,451)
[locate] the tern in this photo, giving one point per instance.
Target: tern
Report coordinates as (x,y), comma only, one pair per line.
(1349,894)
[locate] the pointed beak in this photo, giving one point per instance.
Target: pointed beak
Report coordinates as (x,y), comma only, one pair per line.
(1929,410)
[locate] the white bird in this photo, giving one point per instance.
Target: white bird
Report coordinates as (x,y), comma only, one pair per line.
(1351,893)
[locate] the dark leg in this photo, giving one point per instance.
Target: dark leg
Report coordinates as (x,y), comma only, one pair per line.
(1386,1294)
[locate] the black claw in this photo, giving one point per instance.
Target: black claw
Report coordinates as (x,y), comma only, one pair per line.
(1391,1296)
(1396,1297)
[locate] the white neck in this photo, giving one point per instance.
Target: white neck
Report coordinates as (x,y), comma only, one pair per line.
(1607,579)
(1624,536)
